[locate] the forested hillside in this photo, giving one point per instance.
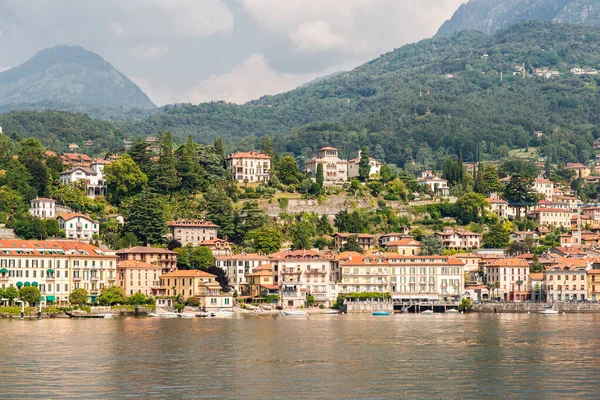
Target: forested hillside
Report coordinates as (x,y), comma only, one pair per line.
(457,77)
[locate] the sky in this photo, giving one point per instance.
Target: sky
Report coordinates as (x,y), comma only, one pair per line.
(192,51)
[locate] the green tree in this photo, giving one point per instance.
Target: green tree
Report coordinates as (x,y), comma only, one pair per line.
(287,170)
(250,217)
(302,233)
(163,174)
(12,203)
(323,226)
(522,167)
(52,227)
(30,227)
(189,170)
(124,178)
(139,298)
(386,173)
(497,237)
(79,296)
(519,192)
(432,245)
(267,146)
(190,257)
(471,207)
(352,222)
(352,244)
(111,295)
(30,294)
(140,155)
(398,189)
(11,293)
(265,240)
(364,166)
(31,155)
(18,178)
(146,218)
(320,177)
(219,210)
(6,149)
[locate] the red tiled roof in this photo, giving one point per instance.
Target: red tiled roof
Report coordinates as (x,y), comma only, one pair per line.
(145,249)
(194,223)
(249,154)
(137,264)
(35,247)
(69,216)
(191,273)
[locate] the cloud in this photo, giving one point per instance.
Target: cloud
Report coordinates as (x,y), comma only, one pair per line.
(250,80)
(149,51)
(316,35)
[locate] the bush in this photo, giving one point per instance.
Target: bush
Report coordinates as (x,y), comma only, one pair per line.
(322,306)
(179,307)
(192,302)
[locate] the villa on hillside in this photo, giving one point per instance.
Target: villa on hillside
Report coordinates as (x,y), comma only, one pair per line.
(192,232)
(249,166)
(437,185)
(335,170)
(354,166)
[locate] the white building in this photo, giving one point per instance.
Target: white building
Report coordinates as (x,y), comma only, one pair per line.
(354,166)
(237,266)
(56,267)
(304,272)
(78,226)
(437,185)
(335,170)
(545,187)
(250,166)
(459,238)
(93,177)
(512,274)
(43,208)
(566,282)
(192,232)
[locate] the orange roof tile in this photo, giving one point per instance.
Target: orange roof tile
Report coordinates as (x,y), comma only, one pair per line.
(190,273)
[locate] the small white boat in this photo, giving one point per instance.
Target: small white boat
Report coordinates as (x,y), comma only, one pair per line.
(109,315)
(294,313)
(187,315)
(548,311)
(223,314)
(427,312)
(332,312)
(163,315)
(452,311)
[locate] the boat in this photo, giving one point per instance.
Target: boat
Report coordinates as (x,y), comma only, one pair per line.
(294,313)
(381,313)
(427,312)
(548,310)
(163,315)
(223,313)
(451,311)
(109,315)
(187,315)
(75,314)
(332,312)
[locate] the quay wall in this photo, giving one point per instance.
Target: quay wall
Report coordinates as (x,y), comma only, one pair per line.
(535,307)
(356,307)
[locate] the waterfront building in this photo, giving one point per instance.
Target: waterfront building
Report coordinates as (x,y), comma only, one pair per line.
(471,267)
(365,241)
(78,226)
(567,281)
(238,266)
(536,286)
(192,232)
(260,283)
(138,277)
(56,267)
(43,208)
(359,273)
(196,284)
(512,274)
(593,284)
(164,258)
(249,166)
(335,170)
(354,166)
(303,272)
(459,238)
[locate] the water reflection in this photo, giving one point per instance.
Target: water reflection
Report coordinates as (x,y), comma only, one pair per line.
(328,356)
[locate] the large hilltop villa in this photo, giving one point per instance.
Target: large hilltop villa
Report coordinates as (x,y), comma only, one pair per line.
(335,169)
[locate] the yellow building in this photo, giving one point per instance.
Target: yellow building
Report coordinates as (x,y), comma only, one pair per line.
(593,279)
(137,276)
(197,284)
(406,246)
(260,282)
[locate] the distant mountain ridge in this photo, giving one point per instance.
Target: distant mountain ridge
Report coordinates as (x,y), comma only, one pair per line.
(492,15)
(69,78)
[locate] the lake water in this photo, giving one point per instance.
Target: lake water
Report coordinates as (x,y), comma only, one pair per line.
(318,357)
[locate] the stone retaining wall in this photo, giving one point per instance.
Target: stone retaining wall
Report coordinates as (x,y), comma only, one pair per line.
(354,307)
(534,307)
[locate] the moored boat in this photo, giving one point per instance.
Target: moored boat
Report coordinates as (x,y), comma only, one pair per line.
(294,313)
(223,314)
(451,311)
(381,313)
(549,310)
(427,312)
(187,315)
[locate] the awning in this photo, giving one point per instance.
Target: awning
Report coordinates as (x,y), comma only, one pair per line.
(27,284)
(3,271)
(50,298)
(19,284)
(34,284)
(49,271)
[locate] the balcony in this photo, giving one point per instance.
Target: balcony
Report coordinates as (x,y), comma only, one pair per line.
(93,278)
(4,278)
(76,279)
(290,271)
(49,278)
(316,271)
(111,279)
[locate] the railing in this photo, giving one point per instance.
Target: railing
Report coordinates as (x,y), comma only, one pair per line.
(3,278)
(49,278)
(94,278)
(290,271)
(77,278)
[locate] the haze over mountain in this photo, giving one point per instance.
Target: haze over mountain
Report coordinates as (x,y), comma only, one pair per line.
(492,15)
(70,78)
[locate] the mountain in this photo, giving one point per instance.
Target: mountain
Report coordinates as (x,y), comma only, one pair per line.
(419,102)
(74,79)
(492,15)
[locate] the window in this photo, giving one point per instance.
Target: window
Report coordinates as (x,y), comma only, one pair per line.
(213,300)
(226,301)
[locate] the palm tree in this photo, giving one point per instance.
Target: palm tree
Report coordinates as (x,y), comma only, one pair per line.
(490,286)
(497,286)
(519,283)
